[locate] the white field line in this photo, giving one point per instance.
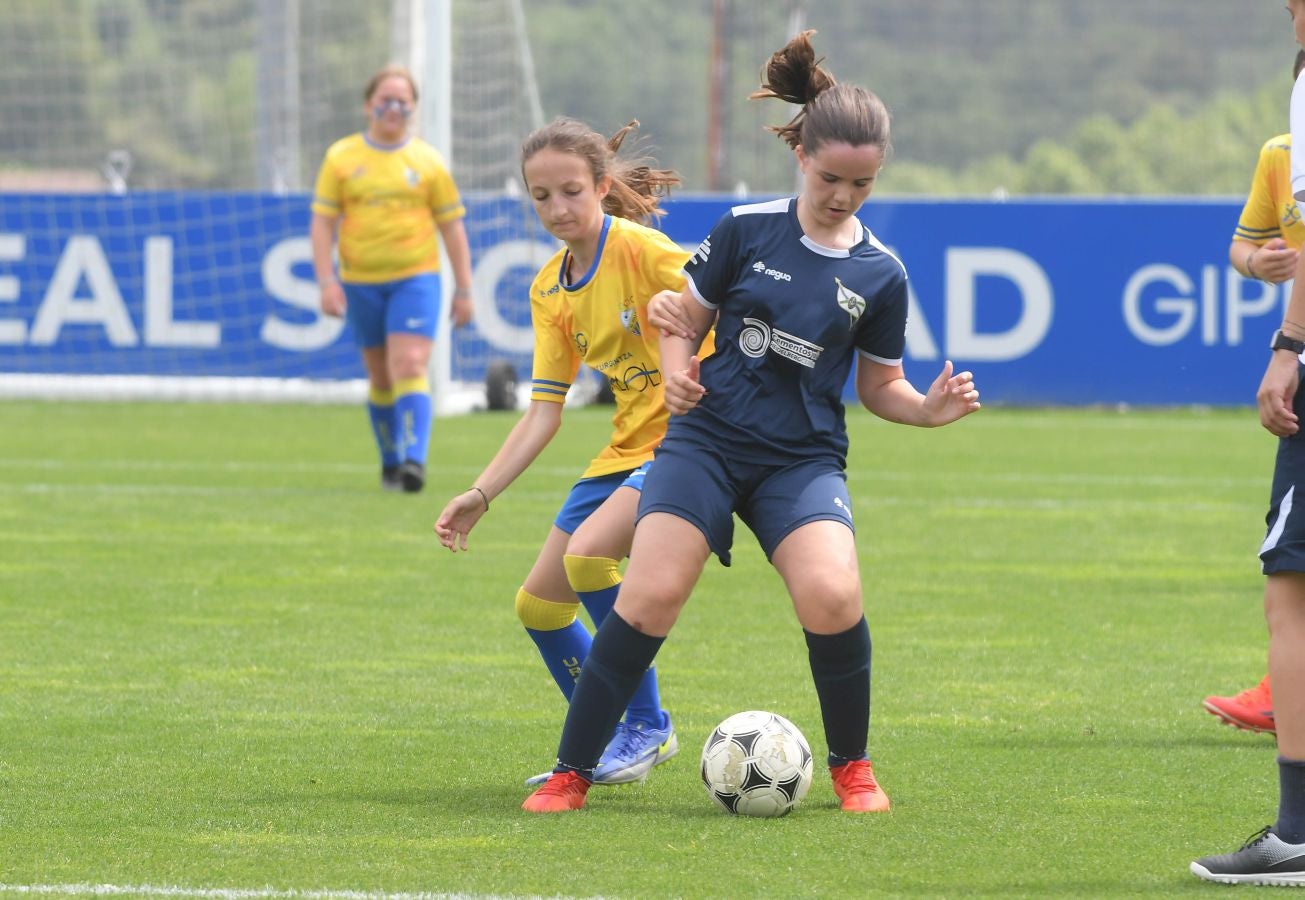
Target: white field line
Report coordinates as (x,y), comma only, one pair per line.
(154,890)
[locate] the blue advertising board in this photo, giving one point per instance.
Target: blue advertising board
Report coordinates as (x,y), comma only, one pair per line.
(1047,301)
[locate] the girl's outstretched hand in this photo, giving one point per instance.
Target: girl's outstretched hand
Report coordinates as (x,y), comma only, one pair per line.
(950,397)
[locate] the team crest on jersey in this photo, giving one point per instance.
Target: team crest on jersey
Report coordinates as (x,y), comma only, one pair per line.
(411,174)
(850,301)
(630,317)
(1291,215)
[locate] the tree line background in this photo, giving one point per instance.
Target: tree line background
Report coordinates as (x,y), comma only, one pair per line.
(1007,97)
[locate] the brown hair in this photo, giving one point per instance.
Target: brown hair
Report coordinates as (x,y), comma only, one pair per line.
(391,71)
(830,111)
(637,187)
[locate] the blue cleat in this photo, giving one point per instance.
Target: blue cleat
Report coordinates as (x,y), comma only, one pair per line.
(634,750)
(630,755)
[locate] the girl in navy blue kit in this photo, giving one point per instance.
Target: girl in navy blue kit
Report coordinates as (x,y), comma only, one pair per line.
(798,289)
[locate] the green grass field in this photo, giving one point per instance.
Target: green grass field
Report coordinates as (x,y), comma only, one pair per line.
(229,662)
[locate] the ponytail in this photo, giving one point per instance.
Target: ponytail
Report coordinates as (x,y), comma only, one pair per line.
(830,111)
(637,187)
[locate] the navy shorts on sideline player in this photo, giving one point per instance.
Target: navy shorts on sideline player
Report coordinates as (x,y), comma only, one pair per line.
(698,484)
(590,493)
(1284,545)
(409,305)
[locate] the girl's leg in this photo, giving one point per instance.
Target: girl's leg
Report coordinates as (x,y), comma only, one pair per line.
(547,607)
(380,412)
(666,559)
(1284,606)
(412,315)
(819,566)
(818,563)
(646,737)
(365,312)
(409,357)
(593,568)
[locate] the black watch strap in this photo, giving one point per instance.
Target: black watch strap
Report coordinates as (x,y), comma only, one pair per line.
(1282,342)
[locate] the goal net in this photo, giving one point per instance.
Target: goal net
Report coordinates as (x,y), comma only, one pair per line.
(155,170)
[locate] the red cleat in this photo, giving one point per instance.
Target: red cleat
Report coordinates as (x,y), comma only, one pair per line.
(562,791)
(855,785)
(1251,710)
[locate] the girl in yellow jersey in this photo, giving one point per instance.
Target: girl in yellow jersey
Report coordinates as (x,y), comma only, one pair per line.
(588,305)
(386,193)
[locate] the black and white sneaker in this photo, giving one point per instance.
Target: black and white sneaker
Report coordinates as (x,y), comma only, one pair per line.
(1263,859)
(413,476)
(390,480)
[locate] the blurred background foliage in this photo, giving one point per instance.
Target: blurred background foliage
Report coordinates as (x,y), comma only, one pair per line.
(1003,97)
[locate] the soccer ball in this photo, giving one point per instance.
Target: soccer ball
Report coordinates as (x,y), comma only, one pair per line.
(756,764)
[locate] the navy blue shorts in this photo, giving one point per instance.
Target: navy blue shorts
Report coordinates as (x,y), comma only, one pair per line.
(410,305)
(589,493)
(700,485)
(1284,545)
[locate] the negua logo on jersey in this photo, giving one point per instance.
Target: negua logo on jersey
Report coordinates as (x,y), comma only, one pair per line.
(849,300)
(760,268)
(756,338)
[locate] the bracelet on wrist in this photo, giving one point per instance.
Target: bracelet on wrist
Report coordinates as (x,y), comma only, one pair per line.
(482,496)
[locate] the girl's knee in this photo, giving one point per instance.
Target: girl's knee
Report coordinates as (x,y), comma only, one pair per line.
(539,614)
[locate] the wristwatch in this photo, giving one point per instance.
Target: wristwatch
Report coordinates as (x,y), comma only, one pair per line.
(1282,342)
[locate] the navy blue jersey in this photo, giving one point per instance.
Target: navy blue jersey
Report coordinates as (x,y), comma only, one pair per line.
(792,313)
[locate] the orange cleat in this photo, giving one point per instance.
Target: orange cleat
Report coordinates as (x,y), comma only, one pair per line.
(562,791)
(855,785)
(1251,710)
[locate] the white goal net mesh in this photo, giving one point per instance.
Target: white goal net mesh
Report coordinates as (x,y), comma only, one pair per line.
(155,169)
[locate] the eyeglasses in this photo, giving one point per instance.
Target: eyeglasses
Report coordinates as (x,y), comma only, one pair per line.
(392,104)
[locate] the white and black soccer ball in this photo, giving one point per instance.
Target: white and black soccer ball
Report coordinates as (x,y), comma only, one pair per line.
(757,764)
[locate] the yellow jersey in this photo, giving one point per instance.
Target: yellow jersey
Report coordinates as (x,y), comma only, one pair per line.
(1270,209)
(390,202)
(601,319)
